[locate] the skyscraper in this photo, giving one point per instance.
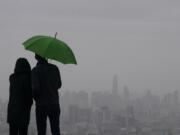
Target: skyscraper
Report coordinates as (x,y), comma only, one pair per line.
(115,97)
(176,98)
(126,96)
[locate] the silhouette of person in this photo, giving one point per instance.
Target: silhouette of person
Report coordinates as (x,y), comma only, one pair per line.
(46,81)
(20,98)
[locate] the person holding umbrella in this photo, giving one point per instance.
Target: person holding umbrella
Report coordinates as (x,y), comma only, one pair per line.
(46,79)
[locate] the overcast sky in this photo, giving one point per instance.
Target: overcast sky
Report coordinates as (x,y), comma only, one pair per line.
(136,39)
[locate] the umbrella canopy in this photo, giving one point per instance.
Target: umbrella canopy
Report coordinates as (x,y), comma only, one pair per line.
(50,48)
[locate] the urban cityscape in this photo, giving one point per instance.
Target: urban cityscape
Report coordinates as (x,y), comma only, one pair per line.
(114,112)
(118,62)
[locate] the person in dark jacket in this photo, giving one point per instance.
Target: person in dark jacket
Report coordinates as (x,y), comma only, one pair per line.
(20,98)
(46,81)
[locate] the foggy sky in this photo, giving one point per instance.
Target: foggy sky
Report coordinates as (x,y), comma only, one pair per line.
(136,39)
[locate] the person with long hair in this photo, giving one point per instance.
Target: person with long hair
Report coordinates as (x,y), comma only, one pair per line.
(20,98)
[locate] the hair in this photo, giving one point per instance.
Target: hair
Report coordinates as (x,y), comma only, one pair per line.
(22,66)
(39,58)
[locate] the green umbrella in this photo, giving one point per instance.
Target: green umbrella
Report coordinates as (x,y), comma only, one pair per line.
(50,48)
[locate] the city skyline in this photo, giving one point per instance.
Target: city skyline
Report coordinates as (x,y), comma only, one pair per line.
(127,77)
(104,113)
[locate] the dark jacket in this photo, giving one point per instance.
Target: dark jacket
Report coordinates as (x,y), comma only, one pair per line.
(46,81)
(20,98)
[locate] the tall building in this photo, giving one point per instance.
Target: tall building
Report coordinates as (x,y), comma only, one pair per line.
(96,99)
(83,99)
(126,96)
(115,85)
(130,116)
(73,114)
(106,113)
(115,101)
(175,105)
(176,98)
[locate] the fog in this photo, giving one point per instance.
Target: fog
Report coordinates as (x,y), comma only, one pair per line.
(137,40)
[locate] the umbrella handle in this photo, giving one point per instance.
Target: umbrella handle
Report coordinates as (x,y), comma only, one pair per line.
(55,34)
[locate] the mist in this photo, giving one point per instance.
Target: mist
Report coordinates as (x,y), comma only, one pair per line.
(137,40)
(126,80)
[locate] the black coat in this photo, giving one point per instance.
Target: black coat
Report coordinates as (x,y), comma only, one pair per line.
(20,99)
(46,81)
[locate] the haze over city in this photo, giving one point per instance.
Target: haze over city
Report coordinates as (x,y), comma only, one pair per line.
(137,40)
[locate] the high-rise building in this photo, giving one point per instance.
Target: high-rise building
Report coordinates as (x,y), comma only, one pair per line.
(115,85)
(106,113)
(176,98)
(96,99)
(115,97)
(83,99)
(73,113)
(126,96)
(130,116)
